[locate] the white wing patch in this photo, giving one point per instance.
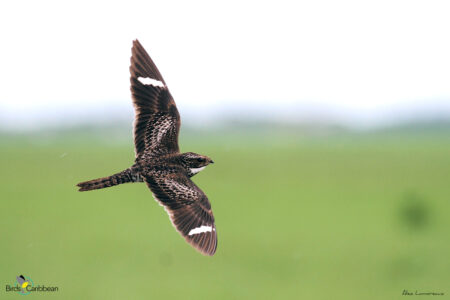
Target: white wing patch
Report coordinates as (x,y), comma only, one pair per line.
(150,81)
(196,170)
(201,229)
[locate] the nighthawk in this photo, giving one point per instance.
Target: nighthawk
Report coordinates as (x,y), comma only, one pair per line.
(158,161)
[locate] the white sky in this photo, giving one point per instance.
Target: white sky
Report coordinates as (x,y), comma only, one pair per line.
(360,57)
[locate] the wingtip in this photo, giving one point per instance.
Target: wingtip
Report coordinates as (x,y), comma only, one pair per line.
(136,43)
(210,253)
(203,251)
(206,245)
(140,59)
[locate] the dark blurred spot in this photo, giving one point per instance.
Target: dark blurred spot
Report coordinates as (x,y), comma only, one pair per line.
(165,259)
(414,212)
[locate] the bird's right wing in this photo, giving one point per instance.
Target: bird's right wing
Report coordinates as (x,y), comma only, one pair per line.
(188,208)
(157,121)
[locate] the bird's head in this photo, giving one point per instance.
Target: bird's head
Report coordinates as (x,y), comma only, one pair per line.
(196,162)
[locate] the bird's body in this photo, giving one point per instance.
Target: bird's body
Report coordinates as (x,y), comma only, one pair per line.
(158,161)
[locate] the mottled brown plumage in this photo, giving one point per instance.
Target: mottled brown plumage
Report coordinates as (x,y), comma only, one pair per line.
(158,162)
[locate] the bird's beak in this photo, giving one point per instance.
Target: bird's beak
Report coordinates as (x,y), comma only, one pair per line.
(211,161)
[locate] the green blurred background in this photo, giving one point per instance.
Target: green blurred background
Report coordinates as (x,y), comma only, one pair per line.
(342,216)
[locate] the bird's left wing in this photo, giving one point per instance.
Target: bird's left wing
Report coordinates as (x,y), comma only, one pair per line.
(157,121)
(187,206)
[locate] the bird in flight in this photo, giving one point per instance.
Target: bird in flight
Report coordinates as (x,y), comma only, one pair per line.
(158,162)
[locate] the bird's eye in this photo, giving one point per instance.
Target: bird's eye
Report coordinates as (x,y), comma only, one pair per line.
(200,159)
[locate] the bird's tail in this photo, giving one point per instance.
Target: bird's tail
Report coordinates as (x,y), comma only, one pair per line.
(125,176)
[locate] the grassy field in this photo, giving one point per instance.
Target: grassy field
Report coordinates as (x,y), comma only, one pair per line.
(337,218)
